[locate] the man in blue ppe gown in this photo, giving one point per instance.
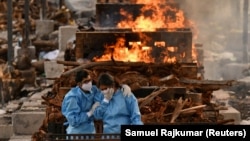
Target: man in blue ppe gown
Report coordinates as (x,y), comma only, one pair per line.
(118,107)
(79,103)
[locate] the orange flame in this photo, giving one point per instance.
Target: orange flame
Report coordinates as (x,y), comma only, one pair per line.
(138,52)
(119,52)
(154,14)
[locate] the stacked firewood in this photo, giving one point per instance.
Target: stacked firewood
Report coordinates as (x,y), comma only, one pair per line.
(12,80)
(60,16)
(154,109)
(18,12)
(52,12)
(23,71)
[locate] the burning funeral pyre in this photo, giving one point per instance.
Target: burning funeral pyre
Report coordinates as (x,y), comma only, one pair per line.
(149,46)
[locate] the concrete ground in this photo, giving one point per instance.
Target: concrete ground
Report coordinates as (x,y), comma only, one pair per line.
(24,120)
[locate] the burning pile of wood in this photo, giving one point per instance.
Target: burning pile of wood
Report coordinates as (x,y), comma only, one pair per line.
(154,109)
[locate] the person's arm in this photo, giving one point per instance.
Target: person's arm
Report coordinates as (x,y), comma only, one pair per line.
(98,96)
(133,107)
(72,111)
(101,109)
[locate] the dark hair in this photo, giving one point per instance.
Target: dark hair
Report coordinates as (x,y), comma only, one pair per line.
(80,75)
(105,79)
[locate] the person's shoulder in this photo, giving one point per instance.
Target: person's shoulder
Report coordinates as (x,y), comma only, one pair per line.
(72,91)
(95,89)
(130,97)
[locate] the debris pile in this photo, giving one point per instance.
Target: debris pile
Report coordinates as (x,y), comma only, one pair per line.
(154,108)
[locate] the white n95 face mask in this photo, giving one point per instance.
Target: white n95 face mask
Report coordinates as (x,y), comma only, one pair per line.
(87,86)
(109,91)
(105,91)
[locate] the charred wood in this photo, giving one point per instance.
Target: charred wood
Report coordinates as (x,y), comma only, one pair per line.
(45,44)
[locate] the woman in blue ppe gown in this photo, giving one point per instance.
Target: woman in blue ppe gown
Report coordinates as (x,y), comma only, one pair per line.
(118,107)
(79,103)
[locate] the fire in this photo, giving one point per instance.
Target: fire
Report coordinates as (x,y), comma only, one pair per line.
(138,52)
(154,14)
(119,52)
(194,54)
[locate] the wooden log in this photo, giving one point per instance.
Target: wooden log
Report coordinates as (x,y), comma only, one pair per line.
(3,41)
(3,6)
(148,117)
(207,84)
(226,121)
(179,106)
(45,43)
(146,100)
(171,76)
(23,62)
(2,61)
(38,65)
(11,88)
(3,15)
(89,65)
(113,68)
(62,91)
(112,63)
(188,109)
(3,51)
(3,21)
(28,76)
(68,63)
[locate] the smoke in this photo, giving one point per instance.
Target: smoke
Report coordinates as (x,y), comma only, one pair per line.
(212,16)
(219,30)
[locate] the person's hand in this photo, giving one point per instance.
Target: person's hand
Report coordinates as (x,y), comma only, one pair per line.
(126,90)
(108,93)
(91,111)
(96,104)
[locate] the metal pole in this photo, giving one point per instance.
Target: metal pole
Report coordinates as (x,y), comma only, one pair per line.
(2,93)
(27,23)
(60,4)
(245,31)
(10,46)
(9,67)
(43,10)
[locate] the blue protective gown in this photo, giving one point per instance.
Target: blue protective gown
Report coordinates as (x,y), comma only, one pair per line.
(118,111)
(75,106)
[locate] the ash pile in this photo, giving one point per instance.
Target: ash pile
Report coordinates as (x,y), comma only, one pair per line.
(240,97)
